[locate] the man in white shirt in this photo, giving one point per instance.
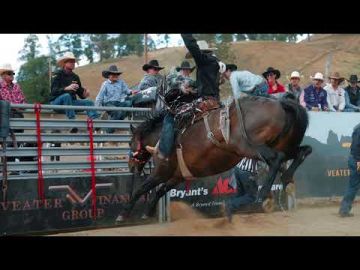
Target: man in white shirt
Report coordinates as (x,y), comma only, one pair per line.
(335,94)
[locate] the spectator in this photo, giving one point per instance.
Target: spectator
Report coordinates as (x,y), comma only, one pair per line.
(314,95)
(114,92)
(12,93)
(335,94)
(149,85)
(352,95)
(354,180)
(180,86)
(66,85)
(272,75)
(295,88)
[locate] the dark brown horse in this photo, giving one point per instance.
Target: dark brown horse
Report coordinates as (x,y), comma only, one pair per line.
(272,131)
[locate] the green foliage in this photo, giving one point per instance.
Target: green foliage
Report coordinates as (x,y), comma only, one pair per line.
(30,50)
(34,80)
(127,44)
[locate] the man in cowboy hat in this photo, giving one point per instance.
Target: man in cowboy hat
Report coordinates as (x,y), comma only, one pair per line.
(294,87)
(272,75)
(207,64)
(314,95)
(182,79)
(352,95)
(12,93)
(66,85)
(9,90)
(244,82)
(114,92)
(335,94)
(152,77)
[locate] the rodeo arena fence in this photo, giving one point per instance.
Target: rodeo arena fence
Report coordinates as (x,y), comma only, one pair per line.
(53,180)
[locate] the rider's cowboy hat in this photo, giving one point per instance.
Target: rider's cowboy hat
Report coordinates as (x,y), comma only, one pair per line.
(294,74)
(203,46)
(353,79)
(185,65)
(336,76)
(67,56)
(111,70)
(318,76)
(5,67)
(272,70)
(152,64)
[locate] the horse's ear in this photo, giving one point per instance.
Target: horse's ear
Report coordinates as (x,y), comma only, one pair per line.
(132,129)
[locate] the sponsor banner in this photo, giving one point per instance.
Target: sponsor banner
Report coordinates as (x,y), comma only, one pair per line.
(208,193)
(325,172)
(67,204)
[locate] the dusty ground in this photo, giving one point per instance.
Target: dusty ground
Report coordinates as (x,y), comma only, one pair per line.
(305,221)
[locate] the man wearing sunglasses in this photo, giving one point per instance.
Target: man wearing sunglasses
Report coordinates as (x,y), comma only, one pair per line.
(10,91)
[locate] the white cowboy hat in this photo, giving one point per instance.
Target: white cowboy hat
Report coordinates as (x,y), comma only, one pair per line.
(203,46)
(295,74)
(67,56)
(5,67)
(318,76)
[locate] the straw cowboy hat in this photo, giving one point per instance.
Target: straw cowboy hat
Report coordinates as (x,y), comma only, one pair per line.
(318,76)
(353,79)
(272,70)
(203,46)
(185,65)
(5,67)
(336,76)
(152,64)
(67,56)
(295,74)
(111,70)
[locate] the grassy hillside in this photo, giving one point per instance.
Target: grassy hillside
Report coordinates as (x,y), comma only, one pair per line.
(307,57)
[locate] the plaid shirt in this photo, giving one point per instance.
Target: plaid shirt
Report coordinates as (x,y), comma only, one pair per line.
(11,93)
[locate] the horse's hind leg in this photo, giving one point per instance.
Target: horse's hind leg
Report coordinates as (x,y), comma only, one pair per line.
(161,192)
(273,159)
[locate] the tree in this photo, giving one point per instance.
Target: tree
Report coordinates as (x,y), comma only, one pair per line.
(30,50)
(34,80)
(127,44)
(103,45)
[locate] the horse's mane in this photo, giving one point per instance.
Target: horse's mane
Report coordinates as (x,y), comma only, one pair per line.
(149,125)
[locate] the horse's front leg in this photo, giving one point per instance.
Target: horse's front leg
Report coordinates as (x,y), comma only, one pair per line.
(300,156)
(145,187)
(273,160)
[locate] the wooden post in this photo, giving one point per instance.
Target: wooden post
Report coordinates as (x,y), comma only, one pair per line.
(145,49)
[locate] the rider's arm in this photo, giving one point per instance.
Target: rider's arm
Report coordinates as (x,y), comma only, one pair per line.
(193,48)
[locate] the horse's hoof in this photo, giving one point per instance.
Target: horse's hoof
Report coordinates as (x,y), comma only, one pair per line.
(120,218)
(268,205)
(144,216)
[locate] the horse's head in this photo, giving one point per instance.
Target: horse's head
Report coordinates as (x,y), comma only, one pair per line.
(138,156)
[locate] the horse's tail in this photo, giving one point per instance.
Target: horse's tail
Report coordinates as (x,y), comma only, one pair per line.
(297,118)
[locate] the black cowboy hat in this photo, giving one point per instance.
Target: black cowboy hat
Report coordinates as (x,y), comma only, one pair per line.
(232,67)
(353,79)
(111,70)
(185,65)
(152,64)
(272,70)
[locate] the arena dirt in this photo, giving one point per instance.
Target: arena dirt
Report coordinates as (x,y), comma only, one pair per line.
(307,220)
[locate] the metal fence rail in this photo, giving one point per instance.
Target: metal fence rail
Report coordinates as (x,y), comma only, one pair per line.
(111,150)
